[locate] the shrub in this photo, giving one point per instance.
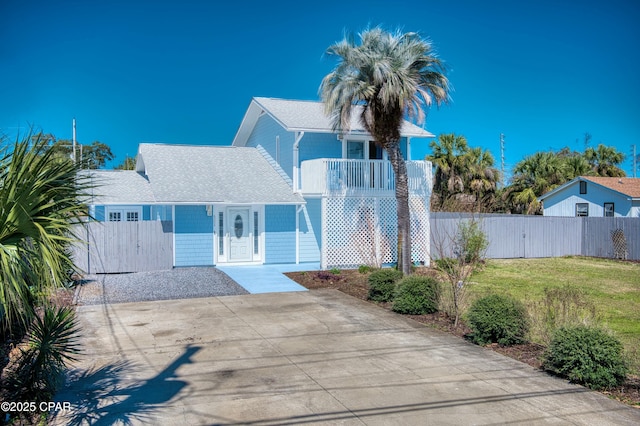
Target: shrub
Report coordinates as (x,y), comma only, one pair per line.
(364,269)
(586,355)
(382,284)
(497,318)
(416,295)
(564,306)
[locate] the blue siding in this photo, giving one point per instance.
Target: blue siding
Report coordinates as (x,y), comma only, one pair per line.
(98,213)
(265,133)
(149,212)
(193,236)
(280,234)
(319,145)
(160,213)
(310,229)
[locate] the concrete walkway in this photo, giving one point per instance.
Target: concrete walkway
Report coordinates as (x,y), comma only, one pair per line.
(267,278)
(315,357)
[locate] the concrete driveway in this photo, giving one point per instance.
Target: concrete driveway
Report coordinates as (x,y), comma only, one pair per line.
(317,357)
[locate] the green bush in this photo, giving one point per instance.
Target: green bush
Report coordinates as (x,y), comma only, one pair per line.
(364,269)
(586,355)
(416,295)
(498,319)
(382,284)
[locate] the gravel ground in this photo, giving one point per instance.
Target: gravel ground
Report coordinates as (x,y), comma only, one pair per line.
(179,283)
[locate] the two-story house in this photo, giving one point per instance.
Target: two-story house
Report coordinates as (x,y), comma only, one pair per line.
(289,189)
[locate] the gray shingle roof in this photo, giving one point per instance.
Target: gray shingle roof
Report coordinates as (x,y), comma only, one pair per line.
(120,187)
(210,174)
(304,116)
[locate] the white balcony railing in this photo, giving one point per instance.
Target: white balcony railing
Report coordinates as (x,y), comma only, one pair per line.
(338,176)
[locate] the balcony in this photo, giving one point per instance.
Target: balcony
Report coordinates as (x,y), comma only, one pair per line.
(332,176)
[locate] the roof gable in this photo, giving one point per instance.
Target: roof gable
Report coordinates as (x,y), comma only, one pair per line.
(624,185)
(629,187)
(305,116)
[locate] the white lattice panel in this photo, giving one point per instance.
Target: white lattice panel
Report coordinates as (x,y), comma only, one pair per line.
(420,230)
(363,231)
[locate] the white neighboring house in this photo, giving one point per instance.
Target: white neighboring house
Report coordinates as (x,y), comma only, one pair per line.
(595,197)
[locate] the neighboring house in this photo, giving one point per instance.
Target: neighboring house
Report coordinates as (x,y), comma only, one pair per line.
(594,196)
(289,189)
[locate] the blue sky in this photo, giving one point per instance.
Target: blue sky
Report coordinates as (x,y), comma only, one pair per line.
(542,72)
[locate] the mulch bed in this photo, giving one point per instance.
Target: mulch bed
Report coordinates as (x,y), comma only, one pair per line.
(355,284)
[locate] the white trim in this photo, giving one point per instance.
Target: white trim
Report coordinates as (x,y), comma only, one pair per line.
(298,210)
(255,259)
(123,210)
(173,221)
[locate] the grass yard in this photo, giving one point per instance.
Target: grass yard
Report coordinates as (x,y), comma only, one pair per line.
(612,287)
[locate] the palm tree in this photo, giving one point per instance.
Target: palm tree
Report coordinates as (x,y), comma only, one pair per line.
(533,176)
(388,75)
(464,176)
(482,177)
(40,199)
(604,160)
(449,159)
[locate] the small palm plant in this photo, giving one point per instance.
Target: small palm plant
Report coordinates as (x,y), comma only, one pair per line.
(52,341)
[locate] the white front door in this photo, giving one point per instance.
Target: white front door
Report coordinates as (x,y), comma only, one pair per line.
(239,231)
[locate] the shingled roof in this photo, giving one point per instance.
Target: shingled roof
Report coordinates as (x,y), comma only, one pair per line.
(309,116)
(624,185)
(212,174)
(629,187)
(119,187)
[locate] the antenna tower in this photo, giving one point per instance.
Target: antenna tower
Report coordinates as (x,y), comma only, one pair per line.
(502,158)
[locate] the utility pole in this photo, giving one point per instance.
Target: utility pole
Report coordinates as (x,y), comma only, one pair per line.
(635,160)
(73,154)
(502,159)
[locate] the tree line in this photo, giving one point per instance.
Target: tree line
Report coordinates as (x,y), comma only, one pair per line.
(86,156)
(466,178)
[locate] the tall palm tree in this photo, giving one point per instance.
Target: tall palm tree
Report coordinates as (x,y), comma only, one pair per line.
(389,76)
(40,199)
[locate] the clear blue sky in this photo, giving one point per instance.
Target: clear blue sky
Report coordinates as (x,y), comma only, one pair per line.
(542,72)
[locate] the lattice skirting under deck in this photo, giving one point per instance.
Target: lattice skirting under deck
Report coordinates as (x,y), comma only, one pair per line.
(363,231)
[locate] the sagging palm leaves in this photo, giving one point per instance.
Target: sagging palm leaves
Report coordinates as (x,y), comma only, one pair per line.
(40,199)
(389,76)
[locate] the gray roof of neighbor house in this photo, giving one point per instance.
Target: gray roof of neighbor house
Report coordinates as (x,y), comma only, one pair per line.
(212,174)
(304,116)
(119,187)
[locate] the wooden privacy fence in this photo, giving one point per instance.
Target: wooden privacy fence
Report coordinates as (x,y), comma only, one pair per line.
(116,247)
(520,236)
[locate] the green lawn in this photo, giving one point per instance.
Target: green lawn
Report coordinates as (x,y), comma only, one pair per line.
(612,286)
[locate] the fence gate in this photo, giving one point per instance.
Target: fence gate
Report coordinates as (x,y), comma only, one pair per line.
(118,247)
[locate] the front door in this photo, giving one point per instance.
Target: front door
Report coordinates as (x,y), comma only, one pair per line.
(239,230)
